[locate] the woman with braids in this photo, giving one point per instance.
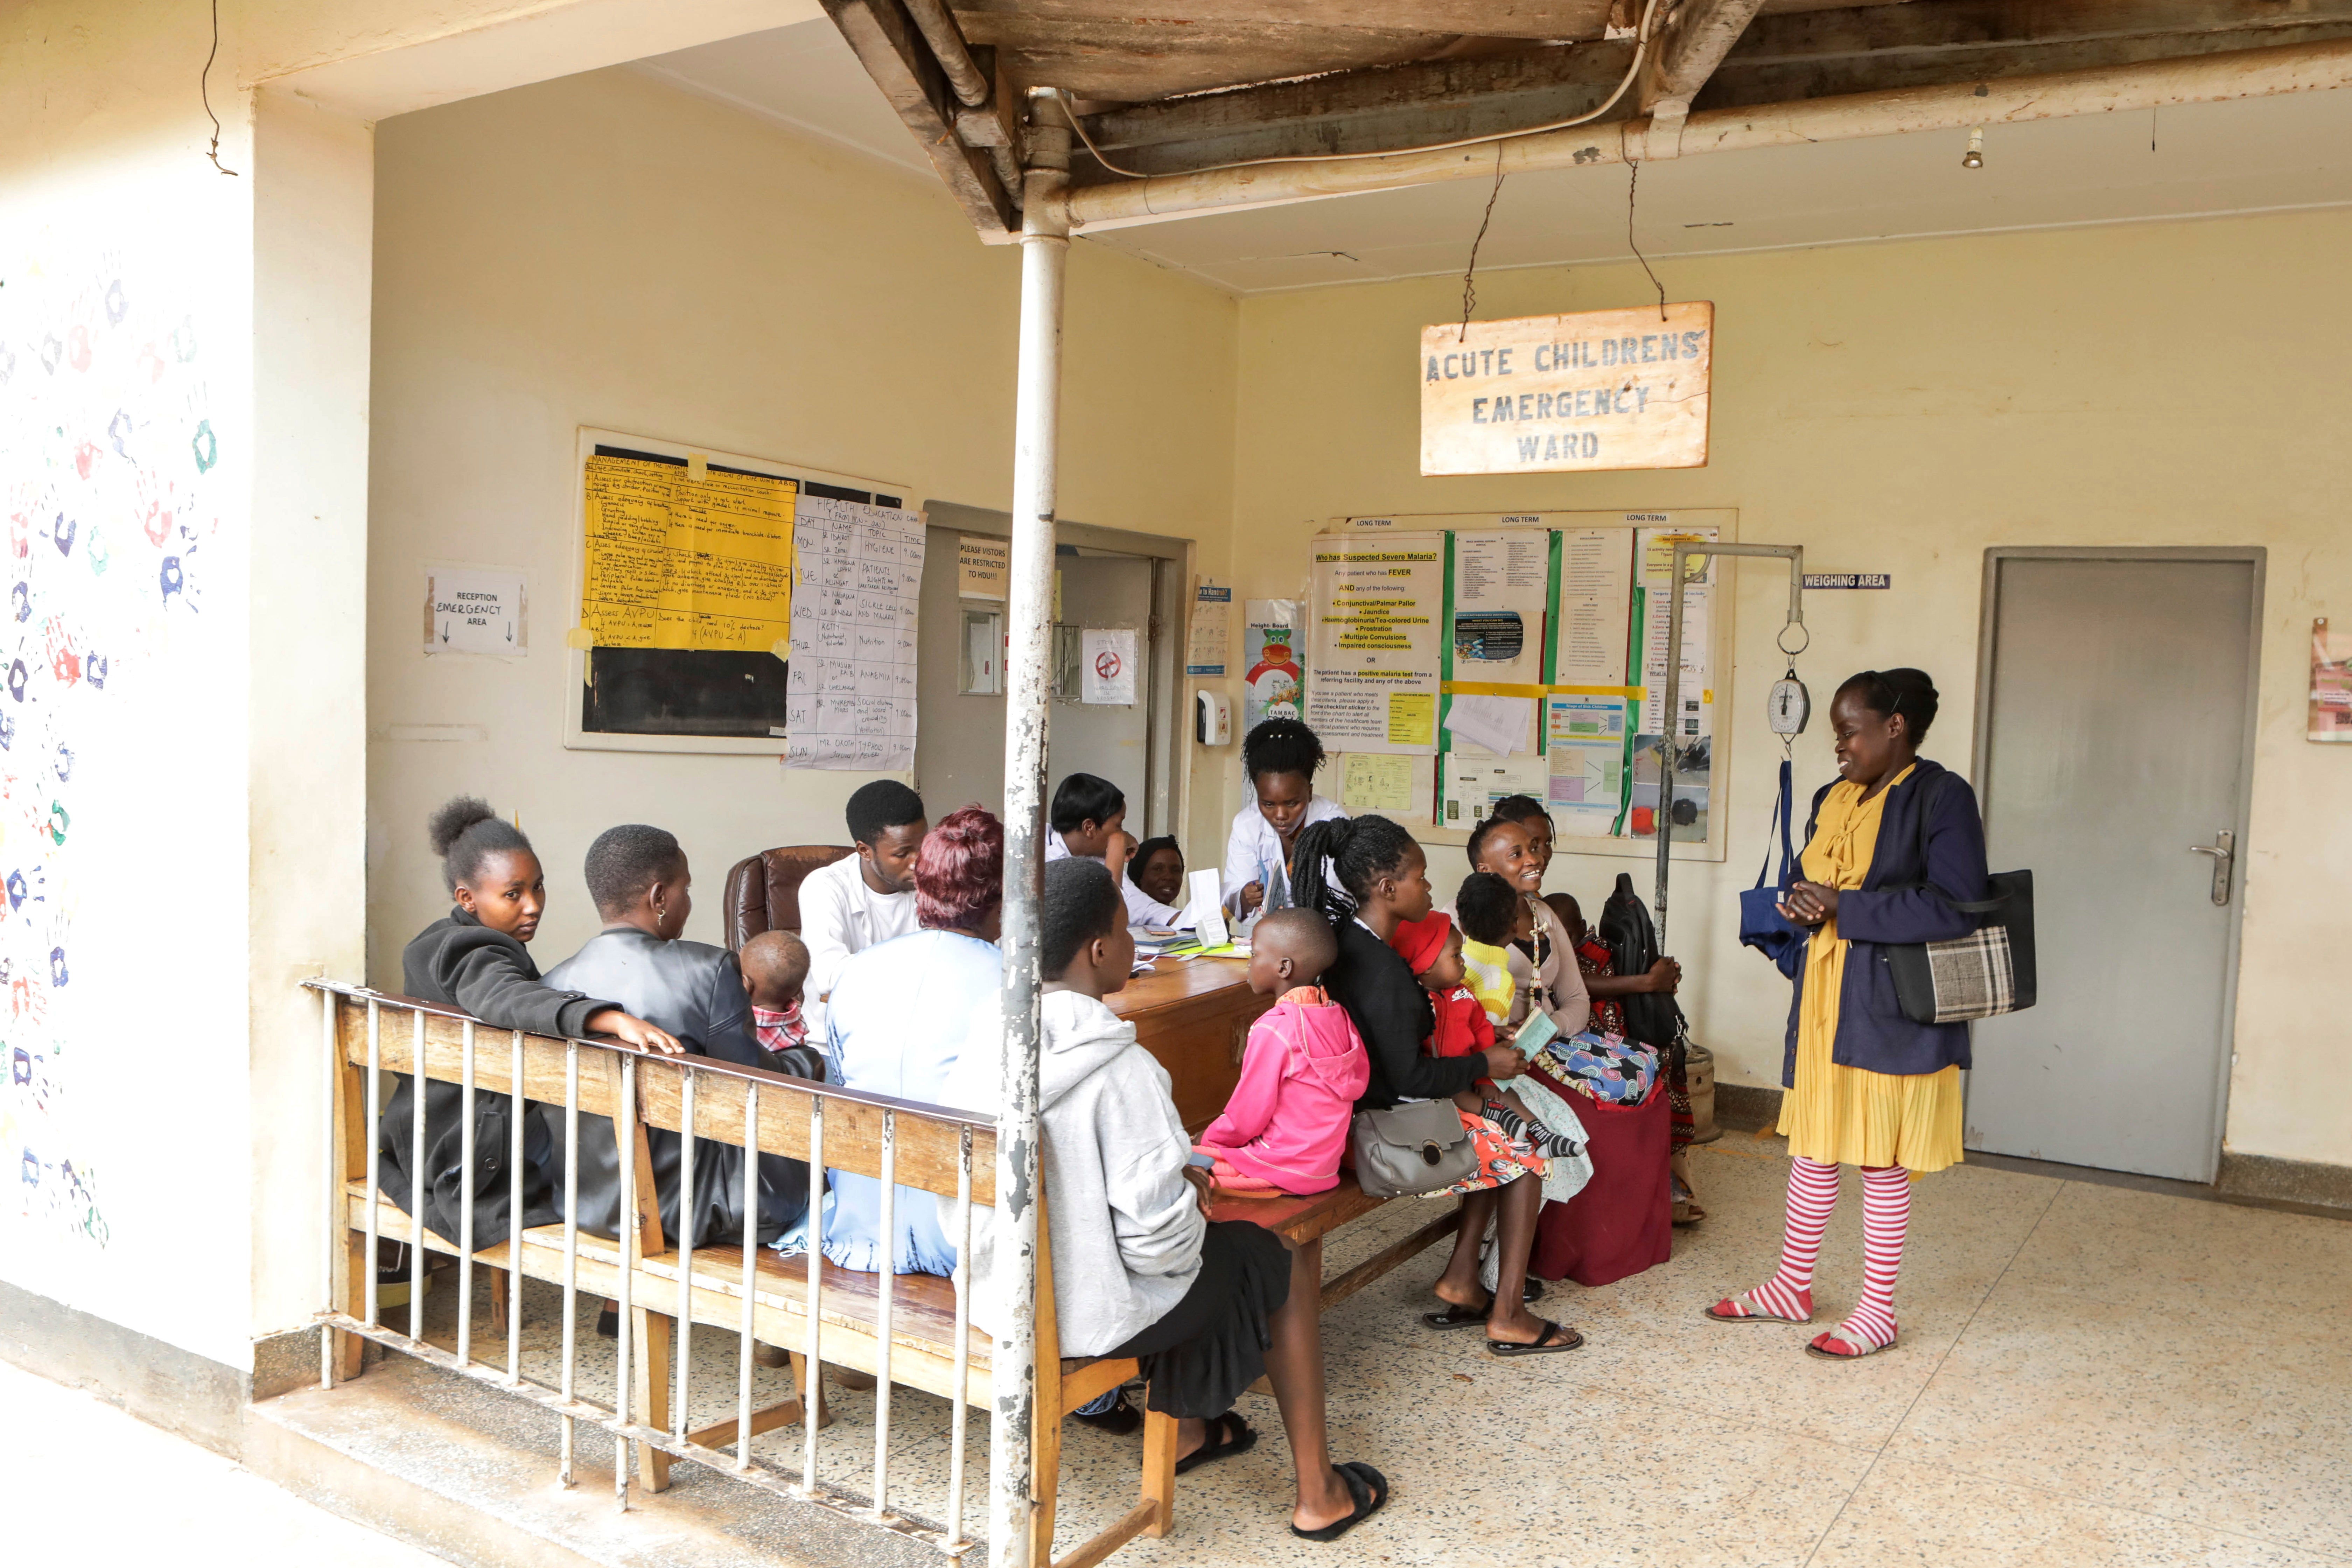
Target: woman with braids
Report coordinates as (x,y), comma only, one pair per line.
(1892,844)
(473,959)
(1376,878)
(1279,763)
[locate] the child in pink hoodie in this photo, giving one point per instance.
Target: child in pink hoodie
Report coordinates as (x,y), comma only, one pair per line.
(1287,1124)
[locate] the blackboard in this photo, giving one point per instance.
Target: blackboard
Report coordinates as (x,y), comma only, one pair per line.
(682,691)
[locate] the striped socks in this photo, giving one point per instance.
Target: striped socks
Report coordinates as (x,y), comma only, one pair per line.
(1812,1193)
(1886,1220)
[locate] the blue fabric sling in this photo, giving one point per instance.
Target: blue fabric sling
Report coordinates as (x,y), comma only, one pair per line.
(1762,926)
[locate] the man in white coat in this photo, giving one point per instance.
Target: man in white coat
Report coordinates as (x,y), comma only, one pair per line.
(866,898)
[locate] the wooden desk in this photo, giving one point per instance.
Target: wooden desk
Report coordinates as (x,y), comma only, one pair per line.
(1194,1016)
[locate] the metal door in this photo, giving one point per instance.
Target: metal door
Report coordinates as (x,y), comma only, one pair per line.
(2114,733)
(960,738)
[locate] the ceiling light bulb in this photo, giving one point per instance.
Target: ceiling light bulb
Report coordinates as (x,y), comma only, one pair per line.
(1974,157)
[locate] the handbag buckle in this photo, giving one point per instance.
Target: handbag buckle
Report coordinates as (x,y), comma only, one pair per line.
(1430,1152)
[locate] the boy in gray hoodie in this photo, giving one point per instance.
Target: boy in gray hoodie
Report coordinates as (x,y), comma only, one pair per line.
(1140,1270)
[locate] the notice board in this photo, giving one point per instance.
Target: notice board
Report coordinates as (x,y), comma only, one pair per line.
(1539,640)
(684,589)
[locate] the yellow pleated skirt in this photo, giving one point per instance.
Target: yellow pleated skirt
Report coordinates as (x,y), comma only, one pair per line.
(1843,1115)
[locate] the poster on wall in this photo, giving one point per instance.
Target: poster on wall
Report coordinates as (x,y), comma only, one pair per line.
(2331,684)
(857,590)
(1476,781)
(1502,585)
(1600,389)
(1596,605)
(1213,617)
(687,557)
(1376,611)
(1585,745)
(1272,684)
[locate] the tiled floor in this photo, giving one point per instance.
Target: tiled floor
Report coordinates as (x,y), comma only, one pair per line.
(2087,1375)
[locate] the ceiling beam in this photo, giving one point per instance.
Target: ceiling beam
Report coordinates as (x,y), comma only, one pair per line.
(1364,110)
(886,41)
(1480,19)
(1738,82)
(1696,35)
(2107,90)
(1984,24)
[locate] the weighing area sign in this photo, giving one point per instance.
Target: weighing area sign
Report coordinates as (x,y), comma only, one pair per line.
(1602,389)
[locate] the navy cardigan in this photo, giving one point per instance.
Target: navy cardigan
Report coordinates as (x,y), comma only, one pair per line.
(1891,906)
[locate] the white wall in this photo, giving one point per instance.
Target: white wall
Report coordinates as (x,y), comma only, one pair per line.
(606,250)
(126,461)
(1900,408)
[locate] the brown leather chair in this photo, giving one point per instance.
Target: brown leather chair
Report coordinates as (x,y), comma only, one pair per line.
(764,893)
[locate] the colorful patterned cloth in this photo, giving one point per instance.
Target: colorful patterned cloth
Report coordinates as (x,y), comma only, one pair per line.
(1501,1158)
(1608,1068)
(1593,957)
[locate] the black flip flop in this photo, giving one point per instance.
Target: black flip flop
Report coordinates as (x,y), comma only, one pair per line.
(1551,1341)
(1228,1434)
(1459,1317)
(1455,1317)
(1369,1491)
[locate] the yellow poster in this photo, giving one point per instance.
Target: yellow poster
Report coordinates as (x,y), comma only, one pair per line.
(678,561)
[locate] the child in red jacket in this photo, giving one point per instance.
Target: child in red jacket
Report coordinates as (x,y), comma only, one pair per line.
(1432,947)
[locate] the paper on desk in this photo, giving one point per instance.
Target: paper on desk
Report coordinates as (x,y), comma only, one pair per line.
(1501,724)
(1207,911)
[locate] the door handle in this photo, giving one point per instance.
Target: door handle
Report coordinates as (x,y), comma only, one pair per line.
(2224,852)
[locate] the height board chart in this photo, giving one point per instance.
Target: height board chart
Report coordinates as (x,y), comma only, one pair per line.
(1551,672)
(851,687)
(691,557)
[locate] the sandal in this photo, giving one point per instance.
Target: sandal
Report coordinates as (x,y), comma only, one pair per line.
(1751,1311)
(1369,1491)
(1530,1292)
(1862,1347)
(1119,1420)
(1460,1317)
(1228,1434)
(1551,1341)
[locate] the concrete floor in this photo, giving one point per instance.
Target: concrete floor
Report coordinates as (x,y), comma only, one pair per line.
(2088,1375)
(86,1483)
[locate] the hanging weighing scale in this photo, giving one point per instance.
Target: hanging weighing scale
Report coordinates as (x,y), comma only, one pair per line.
(1788,705)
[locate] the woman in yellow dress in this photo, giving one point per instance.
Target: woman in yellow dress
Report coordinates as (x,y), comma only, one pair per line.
(1891,846)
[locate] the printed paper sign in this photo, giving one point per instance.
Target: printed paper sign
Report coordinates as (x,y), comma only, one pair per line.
(1106,663)
(1604,389)
(474,612)
(1272,686)
(1212,613)
(1374,641)
(983,563)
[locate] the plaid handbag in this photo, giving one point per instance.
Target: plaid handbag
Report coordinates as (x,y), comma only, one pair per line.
(1980,975)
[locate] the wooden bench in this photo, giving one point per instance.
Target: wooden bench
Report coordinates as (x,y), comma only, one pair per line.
(927,1148)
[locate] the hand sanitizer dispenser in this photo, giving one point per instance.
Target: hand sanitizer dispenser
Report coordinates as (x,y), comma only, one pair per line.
(1212,719)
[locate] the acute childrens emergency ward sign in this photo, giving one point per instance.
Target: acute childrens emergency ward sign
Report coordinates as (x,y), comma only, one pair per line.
(1604,389)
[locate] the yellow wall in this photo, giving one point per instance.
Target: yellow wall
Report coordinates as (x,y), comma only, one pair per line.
(605,250)
(1900,408)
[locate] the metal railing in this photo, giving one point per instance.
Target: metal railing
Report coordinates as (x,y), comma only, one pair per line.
(710,1103)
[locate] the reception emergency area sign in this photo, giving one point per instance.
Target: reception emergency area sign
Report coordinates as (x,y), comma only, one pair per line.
(1540,394)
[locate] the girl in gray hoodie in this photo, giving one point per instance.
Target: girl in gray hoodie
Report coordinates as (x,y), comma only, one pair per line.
(1140,1270)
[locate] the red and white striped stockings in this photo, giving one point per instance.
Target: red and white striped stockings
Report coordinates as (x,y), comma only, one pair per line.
(1885,1219)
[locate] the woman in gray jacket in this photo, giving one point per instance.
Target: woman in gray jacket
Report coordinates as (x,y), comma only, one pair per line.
(1140,1270)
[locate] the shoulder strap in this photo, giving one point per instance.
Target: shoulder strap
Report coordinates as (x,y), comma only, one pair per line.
(1783,808)
(1932,796)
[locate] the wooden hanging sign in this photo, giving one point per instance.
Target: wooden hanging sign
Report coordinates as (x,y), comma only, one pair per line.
(1602,389)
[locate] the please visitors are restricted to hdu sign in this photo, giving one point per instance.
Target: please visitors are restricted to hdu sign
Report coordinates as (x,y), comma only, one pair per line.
(1602,389)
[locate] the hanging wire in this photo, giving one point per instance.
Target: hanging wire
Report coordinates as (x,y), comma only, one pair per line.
(1470,273)
(204,90)
(1632,184)
(1641,49)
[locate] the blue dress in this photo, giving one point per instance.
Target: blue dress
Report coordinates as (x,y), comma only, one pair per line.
(901,1016)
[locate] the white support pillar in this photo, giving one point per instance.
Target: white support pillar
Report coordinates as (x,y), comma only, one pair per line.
(1045,255)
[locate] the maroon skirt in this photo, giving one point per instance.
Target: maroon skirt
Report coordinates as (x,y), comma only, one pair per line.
(1623,1220)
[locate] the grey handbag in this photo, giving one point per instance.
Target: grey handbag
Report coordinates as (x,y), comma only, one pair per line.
(1411,1150)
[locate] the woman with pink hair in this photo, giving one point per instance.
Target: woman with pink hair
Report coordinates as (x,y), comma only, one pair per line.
(903,1013)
